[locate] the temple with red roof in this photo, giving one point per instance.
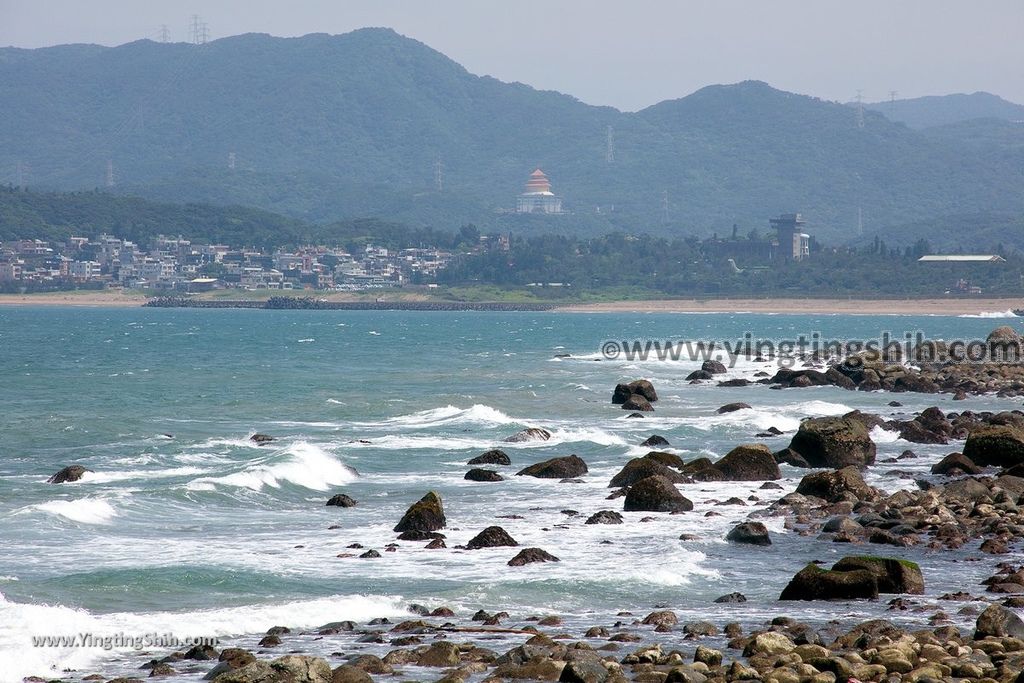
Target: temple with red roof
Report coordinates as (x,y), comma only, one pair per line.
(538,197)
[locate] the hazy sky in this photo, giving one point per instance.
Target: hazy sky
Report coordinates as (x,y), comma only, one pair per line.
(625,54)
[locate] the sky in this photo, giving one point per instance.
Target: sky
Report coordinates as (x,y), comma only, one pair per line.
(624,54)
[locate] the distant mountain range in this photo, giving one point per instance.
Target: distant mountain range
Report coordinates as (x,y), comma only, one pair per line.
(324,128)
(941,110)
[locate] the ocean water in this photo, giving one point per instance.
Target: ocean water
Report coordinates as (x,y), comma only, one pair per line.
(185,527)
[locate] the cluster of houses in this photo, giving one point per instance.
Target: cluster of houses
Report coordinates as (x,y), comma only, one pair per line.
(178,264)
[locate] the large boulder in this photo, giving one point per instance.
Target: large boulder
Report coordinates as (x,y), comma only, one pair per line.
(892,575)
(426,514)
(654,441)
(846,484)
(341,500)
(491,457)
(641,468)
(491,537)
(642,387)
(1001,445)
(479,474)
(749,533)
(814,583)
(637,402)
(528,434)
(531,555)
(68,474)
(749,462)
(834,442)
(955,463)
(604,517)
(732,408)
(998,622)
(1004,344)
(569,467)
(287,669)
(655,494)
(666,459)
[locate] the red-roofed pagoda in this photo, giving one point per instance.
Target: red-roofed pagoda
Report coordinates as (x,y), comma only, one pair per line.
(538,197)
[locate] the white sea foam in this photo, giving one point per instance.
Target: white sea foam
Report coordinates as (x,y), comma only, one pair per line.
(123,475)
(476,414)
(82,510)
(881,435)
(1008,313)
(19,622)
(303,464)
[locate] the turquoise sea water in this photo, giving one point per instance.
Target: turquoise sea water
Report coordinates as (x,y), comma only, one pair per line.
(184,526)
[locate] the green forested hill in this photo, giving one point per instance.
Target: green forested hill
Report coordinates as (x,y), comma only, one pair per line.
(325,128)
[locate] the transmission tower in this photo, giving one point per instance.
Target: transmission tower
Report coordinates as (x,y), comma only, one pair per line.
(860,220)
(860,109)
(609,150)
(231,161)
(664,207)
(438,175)
(892,103)
(164,34)
(110,172)
(199,30)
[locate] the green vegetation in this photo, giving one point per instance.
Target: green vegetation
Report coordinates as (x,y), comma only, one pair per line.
(328,128)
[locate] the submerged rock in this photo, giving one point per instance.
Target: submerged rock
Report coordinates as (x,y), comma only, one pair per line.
(750,533)
(530,555)
(655,494)
(654,441)
(529,434)
(341,500)
(260,439)
(732,408)
(556,468)
(427,514)
(491,537)
(68,474)
(604,517)
(491,457)
(478,474)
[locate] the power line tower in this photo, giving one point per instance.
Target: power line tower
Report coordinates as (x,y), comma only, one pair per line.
(231,161)
(664,207)
(860,220)
(164,34)
(438,175)
(609,148)
(110,172)
(199,30)
(860,109)
(892,103)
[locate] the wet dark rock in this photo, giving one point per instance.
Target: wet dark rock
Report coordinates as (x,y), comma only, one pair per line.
(635,416)
(491,537)
(637,402)
(731,598)
(436,544)
(201,653)
(739,382)
(641,468)
(477,474)
(1001,445)
(491,457)
(955,463)
(750,533)
(666,459)
(260,439)
(68,474)
(370,554)
(732,408)
(655,494)
(347,673)
(660,617)
(588,670)
(814,583)
(998,622)
(427,514)
(341,500)
(605,517)
(714,367)
(837,486)
(417,535)
(892,575)
(787,456)
(834,442)
(749,462)
(641,387)
(654,441)
(530,555)
(556,468)
(161,669)
(529,434)
(699,376)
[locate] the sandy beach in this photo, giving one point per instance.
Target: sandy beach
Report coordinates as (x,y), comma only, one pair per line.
(807,306)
